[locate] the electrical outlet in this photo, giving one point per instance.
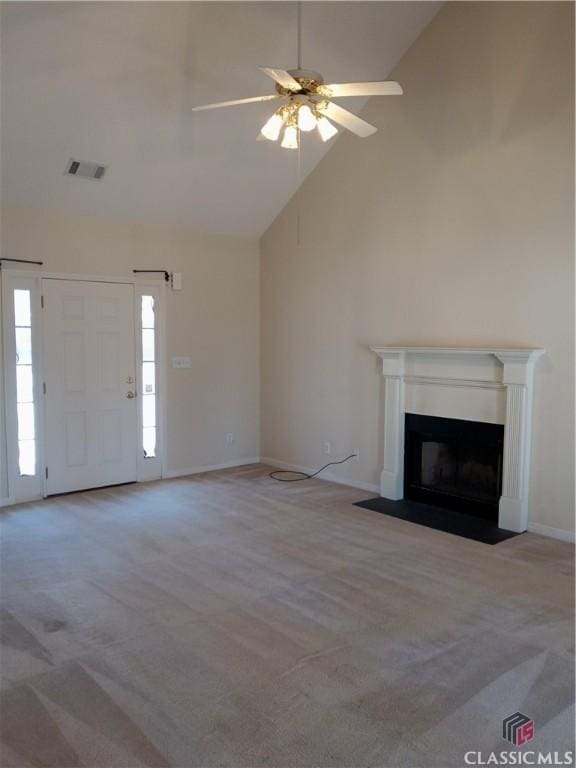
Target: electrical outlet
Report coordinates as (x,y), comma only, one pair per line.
(181,362)
(230,438)
(327,447)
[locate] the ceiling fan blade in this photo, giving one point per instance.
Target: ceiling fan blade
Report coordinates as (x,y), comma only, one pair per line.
(236,102)
(348,120)
(282,77)
(382,88)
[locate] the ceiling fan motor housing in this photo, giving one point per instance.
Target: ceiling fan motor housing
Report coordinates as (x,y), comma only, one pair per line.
(308,80)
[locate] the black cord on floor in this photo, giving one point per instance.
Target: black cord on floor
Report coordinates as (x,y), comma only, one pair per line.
(304,475)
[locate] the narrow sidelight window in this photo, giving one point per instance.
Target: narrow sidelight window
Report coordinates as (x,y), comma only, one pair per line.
(148,330)
(24,383)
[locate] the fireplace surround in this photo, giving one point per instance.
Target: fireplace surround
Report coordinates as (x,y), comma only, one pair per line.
(489,385)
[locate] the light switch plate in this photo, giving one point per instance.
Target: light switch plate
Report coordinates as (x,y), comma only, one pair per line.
(181,362)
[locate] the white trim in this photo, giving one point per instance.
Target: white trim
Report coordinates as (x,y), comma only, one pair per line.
(10,423)
(24,489)
(329,476)
(552,533)
(162,379)
(4,475)
(514,376)
(536,528)
(438,381)
(172,473)
(519,354)
(151,468)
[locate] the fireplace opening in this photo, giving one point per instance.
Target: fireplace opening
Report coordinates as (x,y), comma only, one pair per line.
(454,464)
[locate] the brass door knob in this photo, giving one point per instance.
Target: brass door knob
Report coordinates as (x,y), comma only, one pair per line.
(130,395)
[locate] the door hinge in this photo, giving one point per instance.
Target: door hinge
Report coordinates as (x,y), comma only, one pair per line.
(42,301)
(44,387)
(46,473)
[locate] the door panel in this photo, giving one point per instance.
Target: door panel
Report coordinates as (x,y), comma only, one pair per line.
(91,423)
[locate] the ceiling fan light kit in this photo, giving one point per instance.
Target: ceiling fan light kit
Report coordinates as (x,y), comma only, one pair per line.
(307,104)
(298,114)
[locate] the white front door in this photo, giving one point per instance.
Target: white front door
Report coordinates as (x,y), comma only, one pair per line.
(89,371)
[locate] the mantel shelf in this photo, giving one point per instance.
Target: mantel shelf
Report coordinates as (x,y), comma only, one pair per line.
(518,353)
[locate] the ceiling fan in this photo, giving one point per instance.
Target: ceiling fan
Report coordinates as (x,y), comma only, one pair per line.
(306,103)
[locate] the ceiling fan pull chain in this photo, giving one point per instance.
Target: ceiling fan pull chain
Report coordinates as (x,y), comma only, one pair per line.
(299,182)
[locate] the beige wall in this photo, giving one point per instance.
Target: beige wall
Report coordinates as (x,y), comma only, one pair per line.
(453,225)
(214,319)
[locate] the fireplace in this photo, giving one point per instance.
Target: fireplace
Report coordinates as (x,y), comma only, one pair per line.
(488,385)
(454,464)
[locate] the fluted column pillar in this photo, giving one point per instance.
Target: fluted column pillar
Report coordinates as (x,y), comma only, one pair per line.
(517,376)
(392,476)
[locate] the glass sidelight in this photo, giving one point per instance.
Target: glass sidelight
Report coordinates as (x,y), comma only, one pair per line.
(24,383)
(148,331)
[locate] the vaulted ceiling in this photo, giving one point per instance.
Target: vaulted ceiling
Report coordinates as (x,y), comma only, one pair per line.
(114,83)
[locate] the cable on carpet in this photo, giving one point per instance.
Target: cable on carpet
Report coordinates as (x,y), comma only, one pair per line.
(304,475)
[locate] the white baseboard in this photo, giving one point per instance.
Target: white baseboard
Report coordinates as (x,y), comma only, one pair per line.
(538,528)
(541,530)
(326,475)
(171,473)
(553,533)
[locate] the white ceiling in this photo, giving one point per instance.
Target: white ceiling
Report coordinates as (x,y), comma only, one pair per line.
(114,83)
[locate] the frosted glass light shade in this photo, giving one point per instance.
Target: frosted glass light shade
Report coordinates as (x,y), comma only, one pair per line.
(272,127)
(306,119)
(290,140)
(326,129)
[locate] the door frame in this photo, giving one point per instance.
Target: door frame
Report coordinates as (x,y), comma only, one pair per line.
(21,489)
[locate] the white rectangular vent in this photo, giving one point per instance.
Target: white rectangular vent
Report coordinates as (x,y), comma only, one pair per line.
(85,170)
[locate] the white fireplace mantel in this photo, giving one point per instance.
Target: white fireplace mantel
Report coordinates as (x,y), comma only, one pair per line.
(452,368)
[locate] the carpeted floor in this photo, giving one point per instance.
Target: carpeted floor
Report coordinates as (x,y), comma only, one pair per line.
(229,620)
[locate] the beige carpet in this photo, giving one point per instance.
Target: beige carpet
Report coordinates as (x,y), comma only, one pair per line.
(229,620)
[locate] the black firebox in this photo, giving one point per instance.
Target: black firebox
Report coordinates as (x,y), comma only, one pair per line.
(454,464)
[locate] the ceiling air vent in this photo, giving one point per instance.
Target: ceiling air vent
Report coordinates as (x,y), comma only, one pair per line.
(85,170)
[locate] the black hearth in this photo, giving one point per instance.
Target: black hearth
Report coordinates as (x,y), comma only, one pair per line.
(454,464)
